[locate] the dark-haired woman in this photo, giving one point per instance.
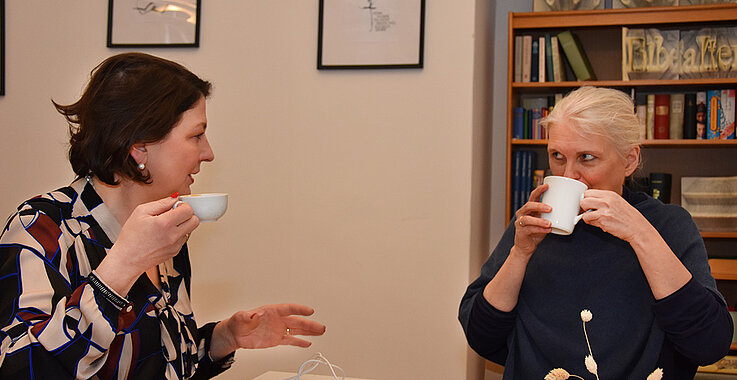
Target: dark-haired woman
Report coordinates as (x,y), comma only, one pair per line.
(95,277)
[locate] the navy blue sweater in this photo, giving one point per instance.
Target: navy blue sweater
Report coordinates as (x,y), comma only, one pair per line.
(631,333)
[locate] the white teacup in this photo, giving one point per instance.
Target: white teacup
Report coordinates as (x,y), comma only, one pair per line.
(208,207)
(564,196)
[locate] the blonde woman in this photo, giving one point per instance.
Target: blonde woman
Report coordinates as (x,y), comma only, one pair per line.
(638,266)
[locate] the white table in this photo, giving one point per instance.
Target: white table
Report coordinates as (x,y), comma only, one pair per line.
(276,375)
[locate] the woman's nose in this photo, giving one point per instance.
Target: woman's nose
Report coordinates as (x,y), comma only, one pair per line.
(571,172)
(207,154)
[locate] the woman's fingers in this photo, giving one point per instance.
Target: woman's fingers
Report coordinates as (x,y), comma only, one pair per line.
(302,326)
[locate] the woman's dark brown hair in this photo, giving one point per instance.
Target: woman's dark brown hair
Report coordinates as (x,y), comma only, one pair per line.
(131,98)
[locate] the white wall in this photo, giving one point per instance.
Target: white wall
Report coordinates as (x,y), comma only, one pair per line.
(350,191)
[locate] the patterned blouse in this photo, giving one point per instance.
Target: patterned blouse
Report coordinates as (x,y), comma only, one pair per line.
(54,325)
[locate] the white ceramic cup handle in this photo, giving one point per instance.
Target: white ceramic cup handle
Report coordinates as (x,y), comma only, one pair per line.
(579,216)
(177,204)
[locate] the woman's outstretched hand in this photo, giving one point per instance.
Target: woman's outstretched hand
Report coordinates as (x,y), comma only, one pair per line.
(263,327)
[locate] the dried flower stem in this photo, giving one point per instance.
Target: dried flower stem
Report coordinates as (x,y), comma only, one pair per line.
(585,334)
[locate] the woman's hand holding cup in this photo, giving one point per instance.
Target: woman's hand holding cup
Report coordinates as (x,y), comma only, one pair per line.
(153,233)
(530,229)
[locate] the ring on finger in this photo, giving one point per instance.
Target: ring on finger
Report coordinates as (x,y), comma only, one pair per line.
(520,223)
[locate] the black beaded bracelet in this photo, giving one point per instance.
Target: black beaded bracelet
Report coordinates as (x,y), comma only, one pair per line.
(98,286)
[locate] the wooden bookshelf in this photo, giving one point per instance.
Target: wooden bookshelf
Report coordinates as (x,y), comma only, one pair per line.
(600,32)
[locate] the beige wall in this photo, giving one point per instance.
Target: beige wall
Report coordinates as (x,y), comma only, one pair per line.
(350,191)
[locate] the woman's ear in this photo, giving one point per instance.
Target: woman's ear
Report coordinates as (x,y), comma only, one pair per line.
(633,160)
(139,153)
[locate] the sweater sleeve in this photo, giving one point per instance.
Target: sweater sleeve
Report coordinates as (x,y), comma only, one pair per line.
(695,318)
(696,322)
(486,327)
(206,368)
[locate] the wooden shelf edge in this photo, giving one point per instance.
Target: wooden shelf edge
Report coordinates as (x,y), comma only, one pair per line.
(630,83)
(625,16)
(723,269)
(653,143)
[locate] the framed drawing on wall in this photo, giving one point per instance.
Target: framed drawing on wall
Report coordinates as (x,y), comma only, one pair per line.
(370,34)
(157,23)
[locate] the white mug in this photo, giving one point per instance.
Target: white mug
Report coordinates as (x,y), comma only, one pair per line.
(208,207)
(564,195)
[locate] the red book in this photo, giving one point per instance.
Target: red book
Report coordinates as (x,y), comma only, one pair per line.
(662,116)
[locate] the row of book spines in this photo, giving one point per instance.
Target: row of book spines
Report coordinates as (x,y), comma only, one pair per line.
(524,177)
(550,59)
(706,115)
(526,122)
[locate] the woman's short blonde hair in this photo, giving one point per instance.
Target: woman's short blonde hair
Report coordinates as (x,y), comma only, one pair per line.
(599,111)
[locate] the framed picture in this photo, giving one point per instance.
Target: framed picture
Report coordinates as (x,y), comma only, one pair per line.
(157,23)
(370,34)
(566,5)
(617,4)
(2,47)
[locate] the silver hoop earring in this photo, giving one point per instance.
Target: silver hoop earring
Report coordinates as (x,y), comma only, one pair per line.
(141,166)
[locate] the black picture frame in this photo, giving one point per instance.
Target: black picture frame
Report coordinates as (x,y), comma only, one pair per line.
(2,47)
(157,23)
(370,34)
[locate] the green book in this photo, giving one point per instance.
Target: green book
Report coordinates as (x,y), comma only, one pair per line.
(576,56)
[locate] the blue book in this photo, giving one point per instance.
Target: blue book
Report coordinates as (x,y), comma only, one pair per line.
(527,169)
(518,120)
(516,179)
(535,63)
(525,183)
(714,114)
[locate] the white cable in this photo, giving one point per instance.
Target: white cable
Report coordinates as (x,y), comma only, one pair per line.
(315,361)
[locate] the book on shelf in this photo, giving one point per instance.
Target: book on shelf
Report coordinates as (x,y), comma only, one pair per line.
(523,163)
(714,114)
(642,116)
(568,74)
(649,53)
(535,108)
(518,122)
(516,179)
(650,116)
(689,115)
(535,61)
(518,59)
(726,129)
(526,58)
(558,73)
(526,177)
(549,75)
(701,115)
(660,186)
(675,129)
(661,120)
(542,66)
(576,56)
